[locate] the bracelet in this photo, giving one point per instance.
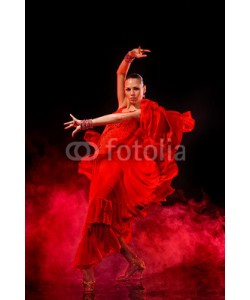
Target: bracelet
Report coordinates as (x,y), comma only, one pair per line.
(86,124)
(129,58)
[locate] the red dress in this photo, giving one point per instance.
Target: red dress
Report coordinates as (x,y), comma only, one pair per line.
(132,169)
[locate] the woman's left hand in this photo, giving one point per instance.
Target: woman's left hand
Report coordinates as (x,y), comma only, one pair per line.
(73,123)
(139,52)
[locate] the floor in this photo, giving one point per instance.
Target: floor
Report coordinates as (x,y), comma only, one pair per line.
(194,283)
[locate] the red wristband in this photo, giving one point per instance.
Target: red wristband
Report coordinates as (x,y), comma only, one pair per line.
(86,124)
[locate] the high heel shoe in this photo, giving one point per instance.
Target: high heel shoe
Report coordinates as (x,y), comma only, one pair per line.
(135,265)
(88,286)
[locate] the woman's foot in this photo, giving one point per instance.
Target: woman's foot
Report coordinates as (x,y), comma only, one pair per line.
(88,282)
(88,286)
(135,265)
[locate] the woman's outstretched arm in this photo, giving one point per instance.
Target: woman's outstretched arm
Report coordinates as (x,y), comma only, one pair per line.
(122,71)
(100,121)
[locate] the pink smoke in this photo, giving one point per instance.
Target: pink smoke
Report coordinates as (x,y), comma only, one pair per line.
(188,233)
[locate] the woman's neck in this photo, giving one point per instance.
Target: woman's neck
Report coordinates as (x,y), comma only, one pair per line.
(130,106)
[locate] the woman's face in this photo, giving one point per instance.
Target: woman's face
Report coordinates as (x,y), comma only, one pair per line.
(134,90)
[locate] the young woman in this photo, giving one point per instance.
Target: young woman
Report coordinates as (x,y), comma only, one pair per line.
(132,169)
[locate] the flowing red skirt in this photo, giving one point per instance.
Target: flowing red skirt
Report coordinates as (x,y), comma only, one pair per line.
(121,190)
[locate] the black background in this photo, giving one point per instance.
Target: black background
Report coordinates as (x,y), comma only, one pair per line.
(73,51)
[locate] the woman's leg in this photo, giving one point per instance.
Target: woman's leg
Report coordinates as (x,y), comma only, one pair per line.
(126,251)
(88,280)
(135,263)
(88,274)
(98,238)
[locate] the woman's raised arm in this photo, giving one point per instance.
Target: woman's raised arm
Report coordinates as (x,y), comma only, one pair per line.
(122,71)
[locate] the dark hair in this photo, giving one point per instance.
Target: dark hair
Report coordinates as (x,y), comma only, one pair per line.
(136,76)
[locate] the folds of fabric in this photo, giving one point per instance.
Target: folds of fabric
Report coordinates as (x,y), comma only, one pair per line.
(164,130)
(122,189)
(107,217)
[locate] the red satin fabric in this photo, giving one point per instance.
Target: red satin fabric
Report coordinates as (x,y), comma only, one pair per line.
(134,173)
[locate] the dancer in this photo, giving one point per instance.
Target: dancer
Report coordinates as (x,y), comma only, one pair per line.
(132,168)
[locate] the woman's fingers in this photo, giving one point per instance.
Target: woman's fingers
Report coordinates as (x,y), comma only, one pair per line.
(75,131)
(66,123)
(71,125)
(141,51)
(72,116)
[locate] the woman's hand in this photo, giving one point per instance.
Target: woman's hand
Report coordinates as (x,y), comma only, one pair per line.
(138,52)
(73,123)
